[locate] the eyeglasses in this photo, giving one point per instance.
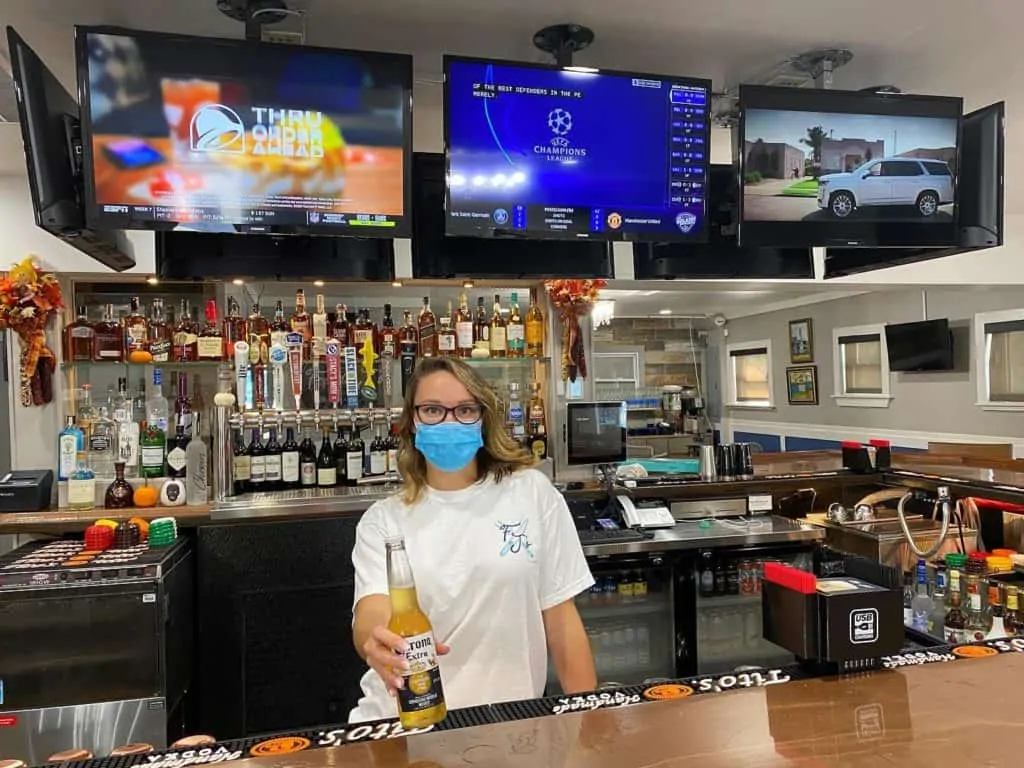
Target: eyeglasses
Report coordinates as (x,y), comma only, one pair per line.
(464,413)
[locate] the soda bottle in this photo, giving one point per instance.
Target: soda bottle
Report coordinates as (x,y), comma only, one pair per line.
(421,698)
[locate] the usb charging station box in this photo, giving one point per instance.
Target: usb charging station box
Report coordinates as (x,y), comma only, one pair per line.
(26,490)
(858,619)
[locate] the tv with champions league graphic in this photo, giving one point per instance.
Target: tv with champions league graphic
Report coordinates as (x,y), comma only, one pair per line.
(572,152)
(241,136)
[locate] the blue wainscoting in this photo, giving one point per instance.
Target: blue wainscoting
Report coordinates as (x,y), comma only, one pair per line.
(768,443)
(794,443)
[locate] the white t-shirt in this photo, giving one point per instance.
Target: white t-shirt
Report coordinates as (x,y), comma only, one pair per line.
(487,560)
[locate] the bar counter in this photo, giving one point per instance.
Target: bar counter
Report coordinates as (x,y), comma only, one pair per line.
(929,715)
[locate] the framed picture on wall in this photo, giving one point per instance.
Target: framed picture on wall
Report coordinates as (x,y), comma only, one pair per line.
(801,342)
(802,385)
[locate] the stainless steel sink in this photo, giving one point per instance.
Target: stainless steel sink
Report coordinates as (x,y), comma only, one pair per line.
(882,539)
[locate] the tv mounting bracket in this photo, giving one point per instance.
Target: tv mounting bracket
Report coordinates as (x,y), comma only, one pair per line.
(563,40)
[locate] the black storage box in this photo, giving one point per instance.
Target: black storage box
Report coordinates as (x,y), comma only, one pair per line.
(26,490)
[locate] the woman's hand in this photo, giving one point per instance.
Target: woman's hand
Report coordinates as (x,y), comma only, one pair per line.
(384,652)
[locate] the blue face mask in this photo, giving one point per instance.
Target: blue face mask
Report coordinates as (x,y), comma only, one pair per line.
(450,445)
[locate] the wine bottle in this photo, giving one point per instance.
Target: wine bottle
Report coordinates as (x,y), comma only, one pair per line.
(326,469)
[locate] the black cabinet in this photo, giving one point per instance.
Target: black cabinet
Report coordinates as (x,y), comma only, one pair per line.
(275,625)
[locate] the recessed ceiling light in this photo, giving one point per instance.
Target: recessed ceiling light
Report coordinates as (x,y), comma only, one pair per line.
(153,280)
(468,284)
(318,283)
(238,281)
(664,311)
(396,284)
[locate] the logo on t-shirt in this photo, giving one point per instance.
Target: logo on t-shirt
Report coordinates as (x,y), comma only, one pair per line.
(514,538)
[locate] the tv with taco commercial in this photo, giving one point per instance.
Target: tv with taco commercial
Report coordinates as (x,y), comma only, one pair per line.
(542,151)
(850,169)
(240,136)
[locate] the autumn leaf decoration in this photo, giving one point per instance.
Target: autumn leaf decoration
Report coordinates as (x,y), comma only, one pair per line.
(573,299)
(29,298)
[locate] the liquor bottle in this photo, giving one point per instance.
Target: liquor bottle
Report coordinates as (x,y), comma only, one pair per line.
(326,469)
(302,323)
(365,329)
(85,413)
(481,324)
(197,462)
(82,485)
(157,409)
(408,348)
(161,337)
(378,453)
(177,463)
(976,626)
(127,429)
(120,492)
(421,704)
(240,464)
(446,337)
(258,328)
(186,337)
(233,329)
(273,472)
(339,328)
(307,462)
(70,442)
(136,329)
(427,329)
(997,630)
(290,460)
(183,405)
(463,324)
(937,618)
(210,344)
(388,334)
(153,446)
(516,331)
(537,432)
(354,458)
(319,342)
(955,626)
(257,463)
(340,450)
(79,338)
(393,445)
(1011,614)
(108,337)
(534,327)
(921,606)
(514,415)
(279,328)
(102,443)
(498,339)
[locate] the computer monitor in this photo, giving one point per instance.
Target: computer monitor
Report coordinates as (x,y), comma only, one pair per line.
(596,432)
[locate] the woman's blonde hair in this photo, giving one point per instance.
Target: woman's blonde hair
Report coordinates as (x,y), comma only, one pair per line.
(500,455)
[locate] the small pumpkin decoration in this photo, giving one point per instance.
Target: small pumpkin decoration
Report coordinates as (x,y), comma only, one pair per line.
(145,496)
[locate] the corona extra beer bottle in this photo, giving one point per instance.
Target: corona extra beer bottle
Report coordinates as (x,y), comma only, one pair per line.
(421,698)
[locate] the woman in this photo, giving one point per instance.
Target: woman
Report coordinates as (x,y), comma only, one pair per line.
(493,549)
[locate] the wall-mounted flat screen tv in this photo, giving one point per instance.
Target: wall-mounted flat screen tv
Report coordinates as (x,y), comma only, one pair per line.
(236,135)
(926,345)
(571,152)
(848,169)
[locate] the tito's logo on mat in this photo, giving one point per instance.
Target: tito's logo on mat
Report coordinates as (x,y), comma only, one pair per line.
(216,128)
(560,149)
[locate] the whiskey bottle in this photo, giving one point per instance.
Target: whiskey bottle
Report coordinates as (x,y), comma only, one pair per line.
(481,324)
(463,329)
(388,334)
(534,327)
(365,329)
(79,338)
(185,337)
(498,340)
(427,330)
(136,329)
(339,328)
(516,330)
(210,344)
(108,338)
(446,341)
(233,329)
(258,329)
(160,334)
(279,328)
(302,323)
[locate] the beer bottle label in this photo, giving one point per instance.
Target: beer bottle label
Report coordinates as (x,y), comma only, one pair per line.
(422,689)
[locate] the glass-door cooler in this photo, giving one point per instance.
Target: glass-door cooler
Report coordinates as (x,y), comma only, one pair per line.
(727,586)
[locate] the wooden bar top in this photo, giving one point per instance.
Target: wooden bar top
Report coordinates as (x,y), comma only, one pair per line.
(945,714)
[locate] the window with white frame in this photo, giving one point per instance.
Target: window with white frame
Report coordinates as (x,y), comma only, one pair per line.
(999,359)
(860,366)
(749,377)
(617,375)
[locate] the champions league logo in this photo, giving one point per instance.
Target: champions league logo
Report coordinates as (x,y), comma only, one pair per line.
(686,221)
(560,149)
(216,128)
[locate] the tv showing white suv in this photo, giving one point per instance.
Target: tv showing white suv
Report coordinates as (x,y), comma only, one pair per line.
(902,181)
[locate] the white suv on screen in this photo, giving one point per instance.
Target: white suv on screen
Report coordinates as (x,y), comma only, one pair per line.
(924,184)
